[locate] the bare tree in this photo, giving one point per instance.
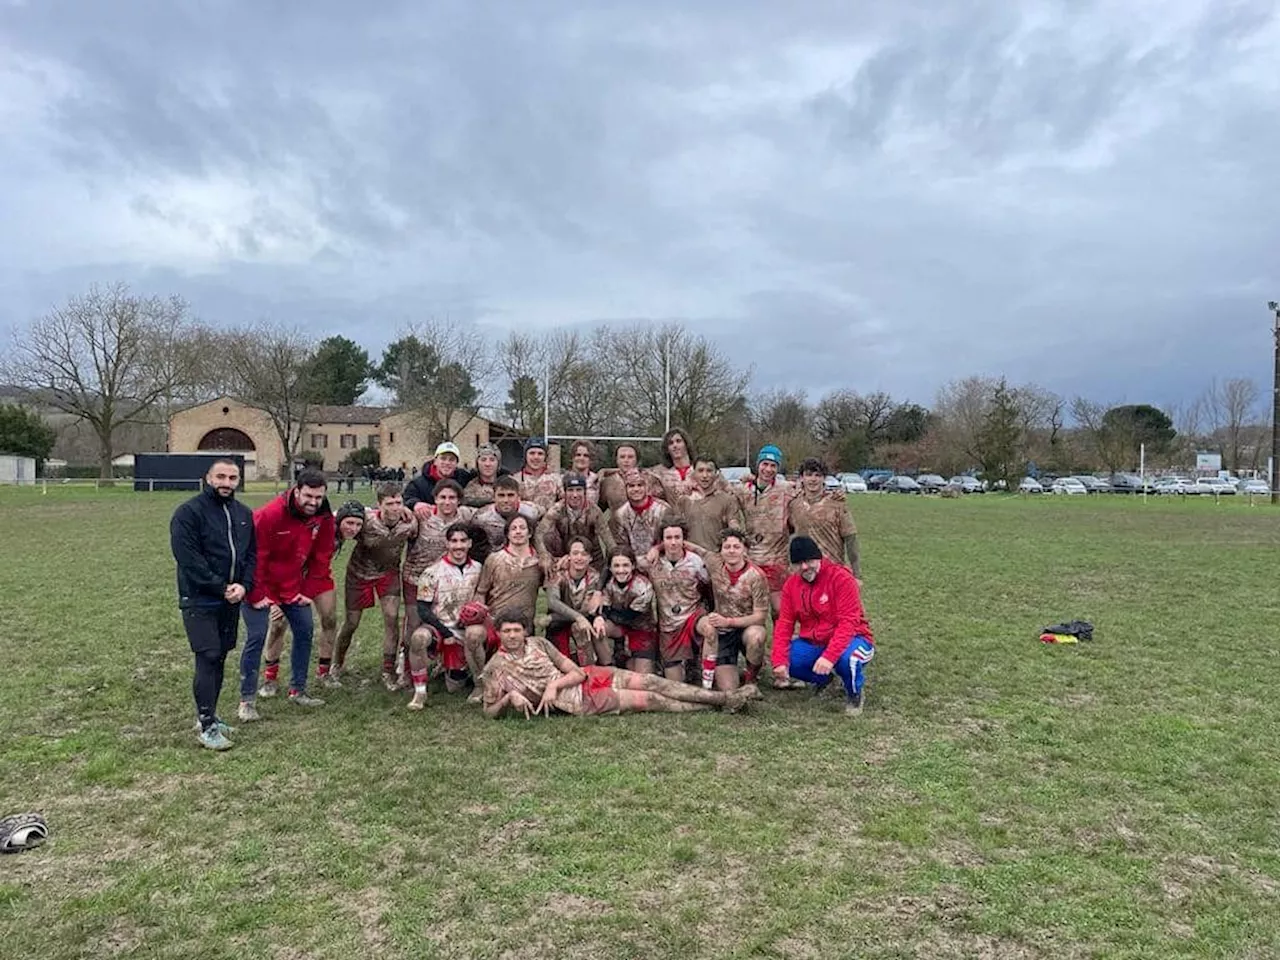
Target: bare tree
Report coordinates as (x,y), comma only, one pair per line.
(1041,415)
(961,409)
(456,389)
(784,418)
(1239,408)
(268,368)
(705,386)
(107,358)
(584,397)
(522,358)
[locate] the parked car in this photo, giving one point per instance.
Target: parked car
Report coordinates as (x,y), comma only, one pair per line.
(852,483)
(1093,484)
(831,483)
(967,484)
(1175,485)
(1030,485)
(1254,487)
(1214,487)
(1069,486)
(931,482)
(877,480)
(901,484)
(734,474)
(1129,483)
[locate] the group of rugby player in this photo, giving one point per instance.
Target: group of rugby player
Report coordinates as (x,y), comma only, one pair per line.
(659,583)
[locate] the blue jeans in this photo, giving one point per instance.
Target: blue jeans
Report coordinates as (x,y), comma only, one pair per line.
(256,624)
(805,653)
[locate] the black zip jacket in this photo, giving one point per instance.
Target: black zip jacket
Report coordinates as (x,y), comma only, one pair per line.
(422,488)
(214,545)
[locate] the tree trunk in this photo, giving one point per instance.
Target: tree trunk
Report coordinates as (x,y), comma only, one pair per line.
(105,470)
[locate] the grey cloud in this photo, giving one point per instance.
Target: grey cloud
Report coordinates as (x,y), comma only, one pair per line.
(891,197)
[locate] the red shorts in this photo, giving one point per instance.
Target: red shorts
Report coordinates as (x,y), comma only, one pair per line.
(643,644)
(679,645)
(598,693)
(776,574)
(561,638)
(409,590)
(363,594)
(451,652)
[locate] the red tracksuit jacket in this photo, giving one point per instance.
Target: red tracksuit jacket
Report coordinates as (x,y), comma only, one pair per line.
(829,612)
(294,551)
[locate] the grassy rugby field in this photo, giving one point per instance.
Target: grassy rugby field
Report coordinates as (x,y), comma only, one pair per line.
(999,798)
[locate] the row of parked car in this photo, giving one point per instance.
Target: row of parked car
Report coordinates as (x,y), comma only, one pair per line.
(1131,483)
(1079,485)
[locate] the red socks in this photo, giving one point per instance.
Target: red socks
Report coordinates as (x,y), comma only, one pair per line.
(272,671)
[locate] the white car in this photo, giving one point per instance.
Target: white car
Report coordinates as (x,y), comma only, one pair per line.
(853,483)
(734,474)
(1070,486)
(1212,486)
(1254,487)
(1174,485)
(1030,485)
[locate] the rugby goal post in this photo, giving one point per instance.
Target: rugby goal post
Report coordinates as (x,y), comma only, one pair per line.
(546,409)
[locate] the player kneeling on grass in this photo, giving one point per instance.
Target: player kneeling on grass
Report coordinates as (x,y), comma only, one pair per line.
(822,599)
(444,589)
(528,675)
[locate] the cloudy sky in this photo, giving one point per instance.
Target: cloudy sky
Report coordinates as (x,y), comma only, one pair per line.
(1084,194)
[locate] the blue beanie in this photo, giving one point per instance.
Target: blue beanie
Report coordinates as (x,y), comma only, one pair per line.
(771,453)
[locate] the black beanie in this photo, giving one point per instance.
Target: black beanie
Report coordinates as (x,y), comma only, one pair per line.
(804,548)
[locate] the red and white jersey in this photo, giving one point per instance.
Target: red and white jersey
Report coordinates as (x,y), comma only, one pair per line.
(449,587)
(678,588)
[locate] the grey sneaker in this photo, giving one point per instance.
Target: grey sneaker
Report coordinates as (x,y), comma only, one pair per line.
(299,698)
(223,728)
(390,682)
(247,713)
(330,681)
(269,689)
(213,739)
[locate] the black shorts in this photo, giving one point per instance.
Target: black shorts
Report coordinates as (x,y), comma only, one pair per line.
(211,631)
(729,645)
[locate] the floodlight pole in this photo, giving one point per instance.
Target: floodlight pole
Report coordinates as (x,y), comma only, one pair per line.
(1274,307)
(546,402)
(666,368)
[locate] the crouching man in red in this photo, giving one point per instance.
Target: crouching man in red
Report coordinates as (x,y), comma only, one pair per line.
(834,636)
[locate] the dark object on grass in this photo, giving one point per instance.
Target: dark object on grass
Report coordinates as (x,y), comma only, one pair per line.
(1080,629)
(22,831)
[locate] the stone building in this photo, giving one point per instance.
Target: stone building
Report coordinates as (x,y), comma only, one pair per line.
(331,433)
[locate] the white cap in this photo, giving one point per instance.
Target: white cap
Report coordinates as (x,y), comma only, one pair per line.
(448,447)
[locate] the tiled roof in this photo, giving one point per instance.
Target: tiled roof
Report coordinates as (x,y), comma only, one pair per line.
(327,414)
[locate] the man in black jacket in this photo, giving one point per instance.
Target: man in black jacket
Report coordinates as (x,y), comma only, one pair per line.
(443,466)
(212,539)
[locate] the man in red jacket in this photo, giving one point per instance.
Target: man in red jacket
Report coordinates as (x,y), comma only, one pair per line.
(295,537)
(834,637)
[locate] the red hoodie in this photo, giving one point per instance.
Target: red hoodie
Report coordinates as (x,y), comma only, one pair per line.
(294,551)
(829,612)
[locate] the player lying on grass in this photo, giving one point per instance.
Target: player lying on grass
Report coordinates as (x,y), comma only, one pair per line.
(528,676)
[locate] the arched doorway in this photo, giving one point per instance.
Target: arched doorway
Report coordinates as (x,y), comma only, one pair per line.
(226,438)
